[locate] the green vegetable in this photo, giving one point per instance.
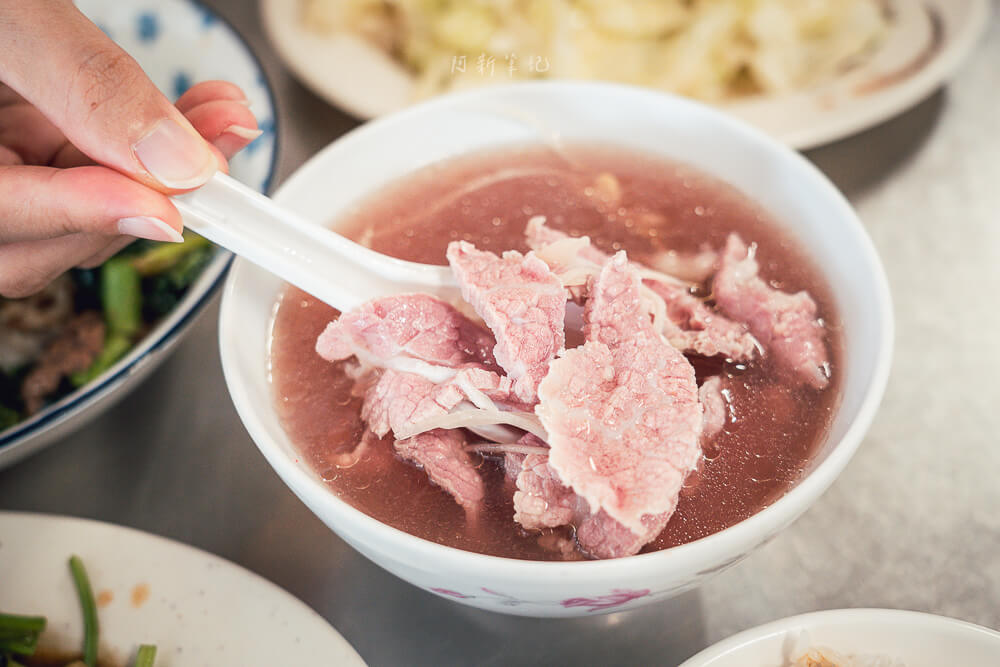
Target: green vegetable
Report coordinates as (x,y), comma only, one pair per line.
(162,291)
(121,297)
(115,347)
(10,623)
(8,417)
(187,270)
(145,656)
(158,297)
(89,608)
(161,257)
(19,635)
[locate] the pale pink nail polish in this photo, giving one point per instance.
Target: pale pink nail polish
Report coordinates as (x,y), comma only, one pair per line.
(145,227)
(243,132)
(175,156)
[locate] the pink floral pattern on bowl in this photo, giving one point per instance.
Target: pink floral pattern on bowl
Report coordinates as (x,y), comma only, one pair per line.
(616,598)
(454,594)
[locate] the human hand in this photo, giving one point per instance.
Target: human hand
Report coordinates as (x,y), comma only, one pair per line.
(90,149)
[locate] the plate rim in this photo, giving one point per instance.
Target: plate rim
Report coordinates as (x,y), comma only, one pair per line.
(879,107)
(161,542)
(827,617)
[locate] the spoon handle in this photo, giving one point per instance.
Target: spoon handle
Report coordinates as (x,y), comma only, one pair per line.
(325,264)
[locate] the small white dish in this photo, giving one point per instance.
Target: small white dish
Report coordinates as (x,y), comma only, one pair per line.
(198,609)
(910,638)
(927,41)
(177,42)
(783,182)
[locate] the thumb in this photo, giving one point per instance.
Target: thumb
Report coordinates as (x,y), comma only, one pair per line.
(99,97)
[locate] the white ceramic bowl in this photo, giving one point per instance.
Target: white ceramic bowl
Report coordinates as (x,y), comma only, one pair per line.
(800,198)
(910,638)
(177,42)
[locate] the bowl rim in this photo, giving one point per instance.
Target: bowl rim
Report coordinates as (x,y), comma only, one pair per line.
(826,618)
(763,523)
(182,315)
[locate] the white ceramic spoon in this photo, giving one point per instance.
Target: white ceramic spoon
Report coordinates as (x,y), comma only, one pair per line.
(332,268)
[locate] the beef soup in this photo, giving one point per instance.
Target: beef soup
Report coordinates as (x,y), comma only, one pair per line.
(646,398)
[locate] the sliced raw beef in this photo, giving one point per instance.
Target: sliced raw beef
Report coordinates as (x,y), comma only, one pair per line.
(621,411)
(522,302)
(714,405)
(391,330)
(538,235)
(785,324)
(398,400)
(485,389)
(512,462)
(541,499)
(690,325)
(441,453)
(600,536)
(694,327)
(406,403)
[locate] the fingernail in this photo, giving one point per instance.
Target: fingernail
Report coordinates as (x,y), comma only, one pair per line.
(245,102)
(146,227)
(243,132)
(174,156)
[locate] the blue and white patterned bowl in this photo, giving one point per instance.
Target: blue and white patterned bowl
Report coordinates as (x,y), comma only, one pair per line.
(178,43)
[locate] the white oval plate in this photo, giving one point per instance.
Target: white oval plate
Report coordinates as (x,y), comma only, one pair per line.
(177,42)
(197,608)
(910,638)
(928,40)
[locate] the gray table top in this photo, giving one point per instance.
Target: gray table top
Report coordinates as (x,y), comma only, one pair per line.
(912,523)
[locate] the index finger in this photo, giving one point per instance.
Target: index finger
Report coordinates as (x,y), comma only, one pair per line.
(99,97)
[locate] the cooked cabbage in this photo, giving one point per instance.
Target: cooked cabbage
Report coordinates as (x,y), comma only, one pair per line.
(709,49)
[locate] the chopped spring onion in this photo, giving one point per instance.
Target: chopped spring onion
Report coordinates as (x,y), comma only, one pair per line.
(19,634)
(89,607)
(145,656)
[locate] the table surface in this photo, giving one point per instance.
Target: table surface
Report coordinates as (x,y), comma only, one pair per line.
(912,523)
